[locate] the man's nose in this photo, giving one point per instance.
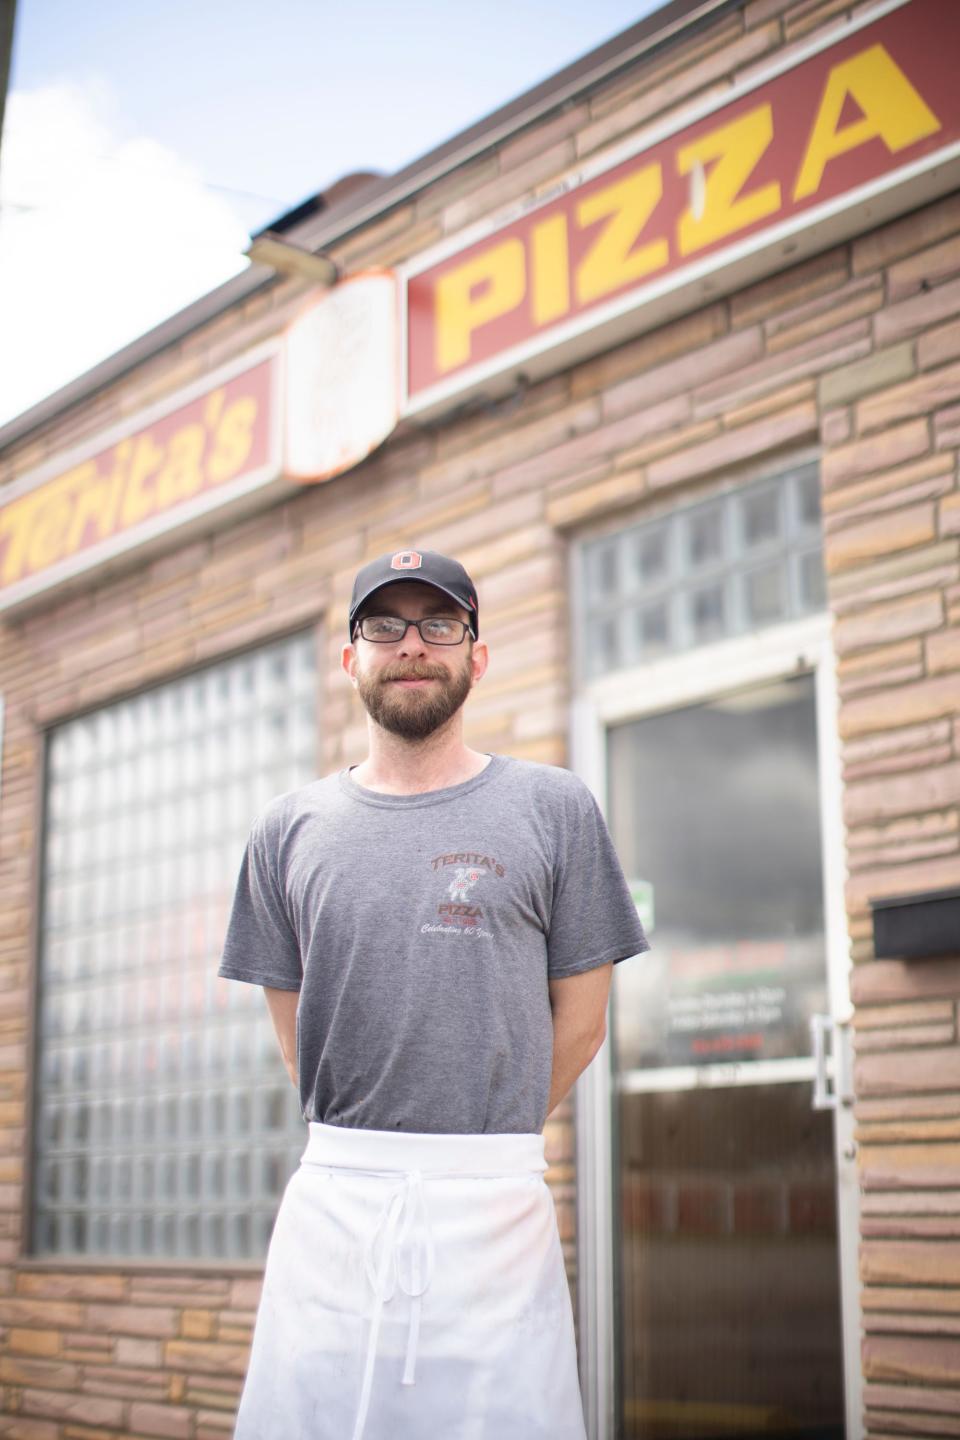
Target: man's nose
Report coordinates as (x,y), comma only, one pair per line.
(412,642)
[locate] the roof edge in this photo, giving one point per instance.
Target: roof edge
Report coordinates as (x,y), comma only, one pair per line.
(319,224)
(654,32)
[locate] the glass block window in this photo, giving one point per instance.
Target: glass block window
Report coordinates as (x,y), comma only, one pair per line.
(720,567)
(165,1122)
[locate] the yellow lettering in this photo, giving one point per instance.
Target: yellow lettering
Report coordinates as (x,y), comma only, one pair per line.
(213,406)
(550,271)
(15,523)
(490,285)
(612,261)
(234,439)
(732,152)
(48,533)
(182,475)
(98,499)
(43,527)
(139,501)
(89,503)
(892,109)
(17,520)
(116,481)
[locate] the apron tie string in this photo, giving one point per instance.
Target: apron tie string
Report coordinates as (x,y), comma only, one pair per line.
(402,1234)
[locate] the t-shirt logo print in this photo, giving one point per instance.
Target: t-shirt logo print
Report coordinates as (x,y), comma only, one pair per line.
(463,882)
(458,914)
(457,911)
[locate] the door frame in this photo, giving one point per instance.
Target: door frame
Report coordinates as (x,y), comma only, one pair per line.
(768,655)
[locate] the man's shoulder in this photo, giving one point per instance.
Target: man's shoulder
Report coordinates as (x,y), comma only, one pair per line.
(283,809)
(548,783)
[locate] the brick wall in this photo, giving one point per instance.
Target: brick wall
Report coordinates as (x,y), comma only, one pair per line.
(858,351)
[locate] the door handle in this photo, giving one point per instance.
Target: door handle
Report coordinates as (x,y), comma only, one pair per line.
(832,1064)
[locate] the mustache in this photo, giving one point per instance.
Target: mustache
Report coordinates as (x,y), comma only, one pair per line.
(412,672)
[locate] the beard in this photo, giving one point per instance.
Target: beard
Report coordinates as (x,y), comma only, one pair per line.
(414,714)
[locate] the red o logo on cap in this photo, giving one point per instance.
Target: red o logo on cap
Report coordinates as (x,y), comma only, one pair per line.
(406,560)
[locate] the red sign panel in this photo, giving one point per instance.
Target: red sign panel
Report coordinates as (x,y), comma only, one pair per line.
(147,480)
(804,143)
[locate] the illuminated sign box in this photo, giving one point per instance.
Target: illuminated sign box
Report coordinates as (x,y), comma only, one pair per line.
(832,140)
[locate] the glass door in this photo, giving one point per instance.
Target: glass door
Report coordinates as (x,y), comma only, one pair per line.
(726,1267)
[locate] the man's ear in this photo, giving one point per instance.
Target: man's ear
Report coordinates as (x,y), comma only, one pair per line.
(348,664)
(479,660)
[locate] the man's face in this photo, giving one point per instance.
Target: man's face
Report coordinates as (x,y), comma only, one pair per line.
(408,686)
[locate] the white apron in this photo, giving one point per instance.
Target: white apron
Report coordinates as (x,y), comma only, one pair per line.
(414,1288)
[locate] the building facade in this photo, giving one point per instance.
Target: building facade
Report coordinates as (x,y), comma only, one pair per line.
(667,352)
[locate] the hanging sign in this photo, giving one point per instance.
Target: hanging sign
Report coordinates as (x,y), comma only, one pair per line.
(342,393)
(834,138)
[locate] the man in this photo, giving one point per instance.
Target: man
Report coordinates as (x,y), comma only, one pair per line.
(435,930)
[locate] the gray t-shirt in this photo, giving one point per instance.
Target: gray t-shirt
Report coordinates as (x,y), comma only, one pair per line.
(421,931)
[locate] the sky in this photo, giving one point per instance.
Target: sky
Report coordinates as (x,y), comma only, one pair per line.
(145,140)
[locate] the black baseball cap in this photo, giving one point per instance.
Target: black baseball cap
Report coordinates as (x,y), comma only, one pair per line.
(425,566)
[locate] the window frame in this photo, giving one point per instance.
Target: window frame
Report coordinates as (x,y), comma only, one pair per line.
(670,507)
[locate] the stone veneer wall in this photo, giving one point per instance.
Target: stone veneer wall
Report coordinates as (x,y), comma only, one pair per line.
(890,473)
(858,351)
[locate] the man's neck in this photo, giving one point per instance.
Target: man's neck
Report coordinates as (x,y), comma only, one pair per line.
(396,766)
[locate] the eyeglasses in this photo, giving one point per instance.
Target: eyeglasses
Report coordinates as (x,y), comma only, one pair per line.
(434,630)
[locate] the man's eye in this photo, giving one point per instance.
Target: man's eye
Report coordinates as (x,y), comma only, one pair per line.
(441,629)
(382,626)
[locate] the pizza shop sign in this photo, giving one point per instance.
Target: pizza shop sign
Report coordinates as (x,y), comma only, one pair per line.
(843,136)
(298,410)
(208,447)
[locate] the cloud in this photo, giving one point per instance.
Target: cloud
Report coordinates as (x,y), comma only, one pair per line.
(101,237)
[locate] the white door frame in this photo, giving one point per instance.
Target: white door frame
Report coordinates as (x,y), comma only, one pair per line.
(773,654)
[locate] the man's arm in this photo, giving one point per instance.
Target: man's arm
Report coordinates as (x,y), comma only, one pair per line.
(283,1012)
(579,1005)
